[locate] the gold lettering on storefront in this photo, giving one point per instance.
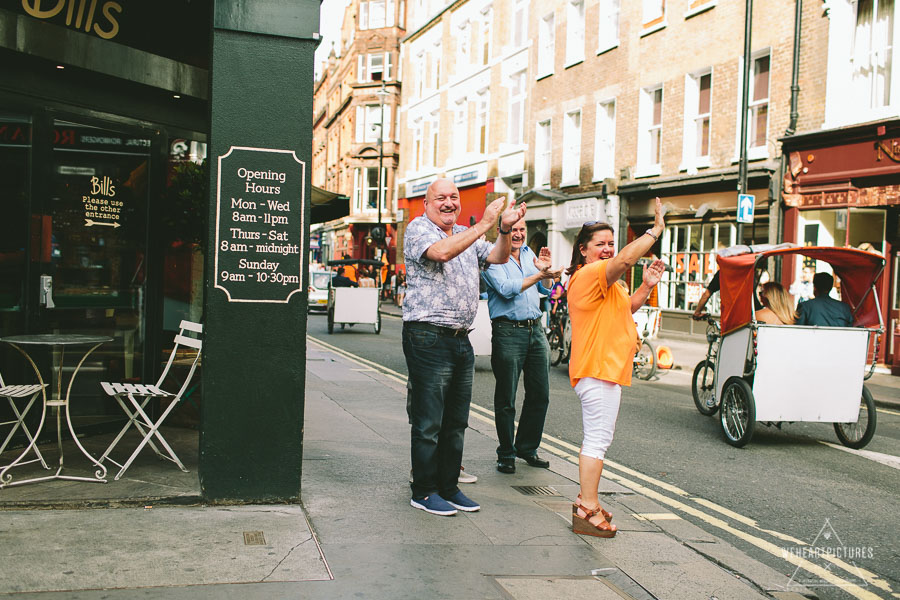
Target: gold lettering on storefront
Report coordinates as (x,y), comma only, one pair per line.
(79,14)
(892,151)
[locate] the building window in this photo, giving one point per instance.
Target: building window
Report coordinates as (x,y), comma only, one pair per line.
(374,14)
(462,46)
(365,189)
(517,108)
(697,109)
(605,141)
(368,122)
(650,131)
(871,52)
(571,164)
(546,46)
(481,120)
(542,154)
(436,66)
(691,251)
(486,31)
(757,108)
(434,122)
(574,32)
(460,127)
(608,30)
(654,14)
(417,136)
(374,67)
(420,74)
(520,23)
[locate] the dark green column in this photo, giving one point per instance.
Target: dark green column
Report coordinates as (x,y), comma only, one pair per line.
(254,364)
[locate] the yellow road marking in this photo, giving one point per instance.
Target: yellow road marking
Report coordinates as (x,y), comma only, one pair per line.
(657,517)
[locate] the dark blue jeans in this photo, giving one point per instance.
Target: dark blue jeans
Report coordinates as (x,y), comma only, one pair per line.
(515,350)
(440,369)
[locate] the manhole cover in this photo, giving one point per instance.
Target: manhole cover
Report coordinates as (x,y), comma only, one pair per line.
(254,538)
(536,490)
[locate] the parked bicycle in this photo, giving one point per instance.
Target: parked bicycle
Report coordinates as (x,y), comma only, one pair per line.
(703,383)
(647,320)
(560,334)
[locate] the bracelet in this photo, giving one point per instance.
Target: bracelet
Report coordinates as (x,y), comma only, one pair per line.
(500,229)
(650,233)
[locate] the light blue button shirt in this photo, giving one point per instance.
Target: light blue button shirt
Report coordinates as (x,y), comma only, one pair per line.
(504,285)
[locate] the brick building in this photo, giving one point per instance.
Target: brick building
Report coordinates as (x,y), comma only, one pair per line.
(354,129)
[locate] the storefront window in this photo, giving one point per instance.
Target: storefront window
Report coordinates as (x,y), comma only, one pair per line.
(15,142)
(690,249)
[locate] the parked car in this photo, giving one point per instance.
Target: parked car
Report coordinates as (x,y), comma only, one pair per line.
(317,299)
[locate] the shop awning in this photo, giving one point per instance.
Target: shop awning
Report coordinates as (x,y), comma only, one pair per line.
(328,206)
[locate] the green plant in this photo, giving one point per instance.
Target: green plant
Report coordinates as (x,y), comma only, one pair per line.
(185,203)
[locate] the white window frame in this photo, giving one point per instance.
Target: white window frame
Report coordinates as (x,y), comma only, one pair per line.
(368,123)
(653,16)
(695,7)
(647,128)
(362,189)
(574,32)
(419,80)
(608,26)
(546,46)
(436,66)
(691,159)
(366,19)
(571,160)
(753,152)
(434,136)
(516,117)
(463,46)
(868,57)
(418,137)
(461,126)
(605,141)
(519,29)
(482,121)
(487,32)
(543,153)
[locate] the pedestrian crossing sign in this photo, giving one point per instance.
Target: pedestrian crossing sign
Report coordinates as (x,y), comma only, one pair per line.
(745,208)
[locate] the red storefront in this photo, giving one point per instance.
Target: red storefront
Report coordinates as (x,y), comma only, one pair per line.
(842,188)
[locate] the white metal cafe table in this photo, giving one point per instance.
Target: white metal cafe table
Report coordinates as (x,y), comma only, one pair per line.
(59,342)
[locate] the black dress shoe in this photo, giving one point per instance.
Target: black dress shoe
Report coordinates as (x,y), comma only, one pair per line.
(536,461)
(506,465)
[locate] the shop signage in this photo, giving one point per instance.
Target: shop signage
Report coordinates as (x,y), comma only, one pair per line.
(694,263)
(745,208)
(101,206)
(259,224)
(579,212)
(418,189)
(465,177)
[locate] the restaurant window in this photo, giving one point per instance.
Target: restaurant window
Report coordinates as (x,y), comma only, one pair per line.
(15,149)
(871,53)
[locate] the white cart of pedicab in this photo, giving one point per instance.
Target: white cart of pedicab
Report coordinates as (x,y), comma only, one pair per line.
(773,374)
(355,305)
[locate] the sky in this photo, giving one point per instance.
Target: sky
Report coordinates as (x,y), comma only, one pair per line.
(331,14)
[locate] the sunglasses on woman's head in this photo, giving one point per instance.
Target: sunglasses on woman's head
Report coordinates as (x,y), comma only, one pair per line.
(591,223)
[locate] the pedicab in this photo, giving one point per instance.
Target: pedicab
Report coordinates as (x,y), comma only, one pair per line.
(774,374)
(355,305)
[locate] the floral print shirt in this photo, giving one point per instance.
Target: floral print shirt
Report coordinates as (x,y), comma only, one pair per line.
(444,294)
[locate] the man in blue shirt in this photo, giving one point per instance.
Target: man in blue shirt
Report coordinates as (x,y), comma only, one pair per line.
(823,310)
(518,344)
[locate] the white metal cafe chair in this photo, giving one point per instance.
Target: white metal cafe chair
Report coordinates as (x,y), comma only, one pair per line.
(14,393)
(134,397)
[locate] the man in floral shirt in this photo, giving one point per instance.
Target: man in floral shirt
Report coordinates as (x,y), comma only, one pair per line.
(443,263)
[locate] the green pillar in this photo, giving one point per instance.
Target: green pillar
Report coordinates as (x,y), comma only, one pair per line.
(254,363)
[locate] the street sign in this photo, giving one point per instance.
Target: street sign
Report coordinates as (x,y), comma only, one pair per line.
(745,208)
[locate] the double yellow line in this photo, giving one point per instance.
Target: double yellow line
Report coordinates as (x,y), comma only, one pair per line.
(708,512)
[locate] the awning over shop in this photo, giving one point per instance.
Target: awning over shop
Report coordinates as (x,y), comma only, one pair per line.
(328,206)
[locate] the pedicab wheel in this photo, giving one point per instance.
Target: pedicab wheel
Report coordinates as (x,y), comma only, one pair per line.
(856,435)
(378,323)
(557,350)
(331,320)
(703,387)
(738,412)
(645,361)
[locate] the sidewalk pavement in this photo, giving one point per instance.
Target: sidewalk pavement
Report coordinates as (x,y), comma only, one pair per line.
(688,350)
(355,534)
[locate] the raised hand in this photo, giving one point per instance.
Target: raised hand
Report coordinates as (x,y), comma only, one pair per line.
(658,220)
(512,215)
(653,272)
(543,264)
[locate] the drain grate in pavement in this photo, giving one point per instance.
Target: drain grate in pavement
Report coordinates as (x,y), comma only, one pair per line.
(254,538)
(625,585)
(536,490)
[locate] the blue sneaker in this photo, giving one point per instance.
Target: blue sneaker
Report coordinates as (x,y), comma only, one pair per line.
(435,505)
(460,501)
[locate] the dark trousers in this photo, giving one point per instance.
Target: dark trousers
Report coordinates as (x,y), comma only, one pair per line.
(441,369)
(515,350)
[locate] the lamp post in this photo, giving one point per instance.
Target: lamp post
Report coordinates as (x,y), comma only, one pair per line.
(382,94)
(745,101)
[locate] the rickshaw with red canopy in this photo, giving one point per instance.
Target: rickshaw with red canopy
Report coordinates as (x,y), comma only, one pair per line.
(772,374)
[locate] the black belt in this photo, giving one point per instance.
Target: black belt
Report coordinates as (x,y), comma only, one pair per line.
(522,323)
(448,331)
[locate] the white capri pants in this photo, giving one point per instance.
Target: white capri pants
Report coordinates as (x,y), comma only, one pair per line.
(599,410)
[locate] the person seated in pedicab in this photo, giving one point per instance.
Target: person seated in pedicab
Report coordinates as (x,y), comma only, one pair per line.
(823,310)
(778,305)
(341,280)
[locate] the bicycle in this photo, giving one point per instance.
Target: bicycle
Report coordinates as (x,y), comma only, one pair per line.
(645,360)
(703,382)
(560,334)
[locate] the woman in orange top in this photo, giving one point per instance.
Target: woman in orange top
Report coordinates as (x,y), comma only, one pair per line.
(603,348)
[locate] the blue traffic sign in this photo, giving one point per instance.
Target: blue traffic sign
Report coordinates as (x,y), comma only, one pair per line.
(745,208)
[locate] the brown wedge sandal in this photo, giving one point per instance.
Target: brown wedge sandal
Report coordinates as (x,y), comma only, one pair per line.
(583,526)
(606,515)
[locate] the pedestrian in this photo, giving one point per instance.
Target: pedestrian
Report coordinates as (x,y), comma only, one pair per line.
(443,261)
(519,345)
(603,348)
(401,288)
